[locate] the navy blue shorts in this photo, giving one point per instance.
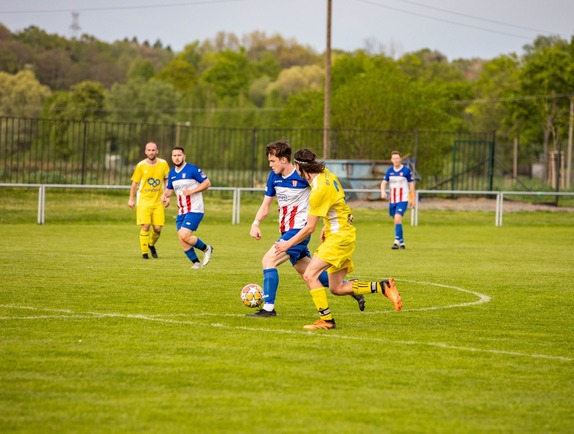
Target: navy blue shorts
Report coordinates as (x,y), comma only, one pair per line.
(398,208)
(297,251)
(190,220)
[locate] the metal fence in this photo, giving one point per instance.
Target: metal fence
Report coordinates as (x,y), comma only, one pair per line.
(236,193)
(50,151)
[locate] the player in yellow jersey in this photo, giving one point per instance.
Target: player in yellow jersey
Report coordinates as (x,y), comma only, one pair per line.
(327,201)
(148,180)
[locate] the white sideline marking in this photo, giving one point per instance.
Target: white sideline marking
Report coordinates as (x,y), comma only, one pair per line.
(331,335)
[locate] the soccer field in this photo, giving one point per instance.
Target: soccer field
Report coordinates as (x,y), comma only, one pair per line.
(96,340)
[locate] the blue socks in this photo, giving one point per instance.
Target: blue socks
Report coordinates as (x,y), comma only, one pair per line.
(324,279)
(399,233)
(191,255)
(270,285)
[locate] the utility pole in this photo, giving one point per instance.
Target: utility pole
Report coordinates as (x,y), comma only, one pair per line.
(327,114)
(570,138)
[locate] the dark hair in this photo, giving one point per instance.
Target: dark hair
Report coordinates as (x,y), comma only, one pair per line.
(306,159)
(280,149)
(178,148)
(396,153)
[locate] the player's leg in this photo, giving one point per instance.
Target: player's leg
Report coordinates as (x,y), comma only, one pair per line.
(189,241)
(158,220)
(400,210)
(385,287)
(270,262)
(317,290)
(143,215)
(325,279)
(393,213)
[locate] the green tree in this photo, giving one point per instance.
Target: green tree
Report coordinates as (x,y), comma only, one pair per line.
(497,80)
(180,74)
(85,101)
(296,79)
(138,100)
(229,74)
(540,103)
(21,94)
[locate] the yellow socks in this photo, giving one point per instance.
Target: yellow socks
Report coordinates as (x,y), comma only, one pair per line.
(366,287)
(320,299)
(153,237)
(144,241)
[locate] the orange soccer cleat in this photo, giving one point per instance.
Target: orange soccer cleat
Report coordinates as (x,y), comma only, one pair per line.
(321,325)
(392,293)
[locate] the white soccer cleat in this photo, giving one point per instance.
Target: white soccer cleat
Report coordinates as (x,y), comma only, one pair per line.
(196,266)
(207,255)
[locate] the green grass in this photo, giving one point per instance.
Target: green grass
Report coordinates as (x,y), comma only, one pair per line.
(96,340)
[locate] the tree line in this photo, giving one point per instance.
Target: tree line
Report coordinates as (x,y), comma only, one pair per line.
(267,81)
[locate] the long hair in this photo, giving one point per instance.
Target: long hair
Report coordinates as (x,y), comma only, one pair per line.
(306,159)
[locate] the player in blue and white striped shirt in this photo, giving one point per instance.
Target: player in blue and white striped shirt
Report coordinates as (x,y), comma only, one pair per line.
(188,181)
(402,193)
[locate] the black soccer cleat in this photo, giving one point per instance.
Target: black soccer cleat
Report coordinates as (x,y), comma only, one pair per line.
(395,246)
(145,256)
(153,251)
(360,300)
(263,314)
(402,246)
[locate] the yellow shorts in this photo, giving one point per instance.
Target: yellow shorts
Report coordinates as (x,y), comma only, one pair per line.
(150,215)
(337,251)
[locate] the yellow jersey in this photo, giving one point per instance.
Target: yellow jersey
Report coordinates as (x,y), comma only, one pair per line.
(151,181)
(327,200)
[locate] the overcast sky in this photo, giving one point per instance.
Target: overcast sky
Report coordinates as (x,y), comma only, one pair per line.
(457,28)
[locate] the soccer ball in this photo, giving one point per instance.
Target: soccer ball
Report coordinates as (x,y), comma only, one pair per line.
(252,295)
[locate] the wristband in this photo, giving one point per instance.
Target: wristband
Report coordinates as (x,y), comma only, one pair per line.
(255,222)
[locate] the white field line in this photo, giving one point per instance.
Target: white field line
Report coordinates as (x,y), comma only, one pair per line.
(157,318)
(482,298)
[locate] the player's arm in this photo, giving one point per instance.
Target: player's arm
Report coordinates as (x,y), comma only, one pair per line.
(133,189)
(166,195)
(262,213)
(165,199)
(412,194)
(199,188)
(308,229)
(384,189)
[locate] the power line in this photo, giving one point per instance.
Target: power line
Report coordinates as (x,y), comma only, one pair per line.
(372,3)
(116,8)
(475,17)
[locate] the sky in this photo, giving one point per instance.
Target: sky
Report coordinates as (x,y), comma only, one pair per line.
(457,28)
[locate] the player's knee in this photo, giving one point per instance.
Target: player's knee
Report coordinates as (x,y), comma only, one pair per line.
(307,277)
(336,289)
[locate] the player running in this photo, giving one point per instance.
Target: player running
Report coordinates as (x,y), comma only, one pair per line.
(292,193)
(327,201)
(188,182)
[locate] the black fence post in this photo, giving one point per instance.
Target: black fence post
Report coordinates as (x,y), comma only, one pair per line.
(84,148)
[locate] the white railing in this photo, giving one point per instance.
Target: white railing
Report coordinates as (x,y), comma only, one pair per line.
(236,210)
